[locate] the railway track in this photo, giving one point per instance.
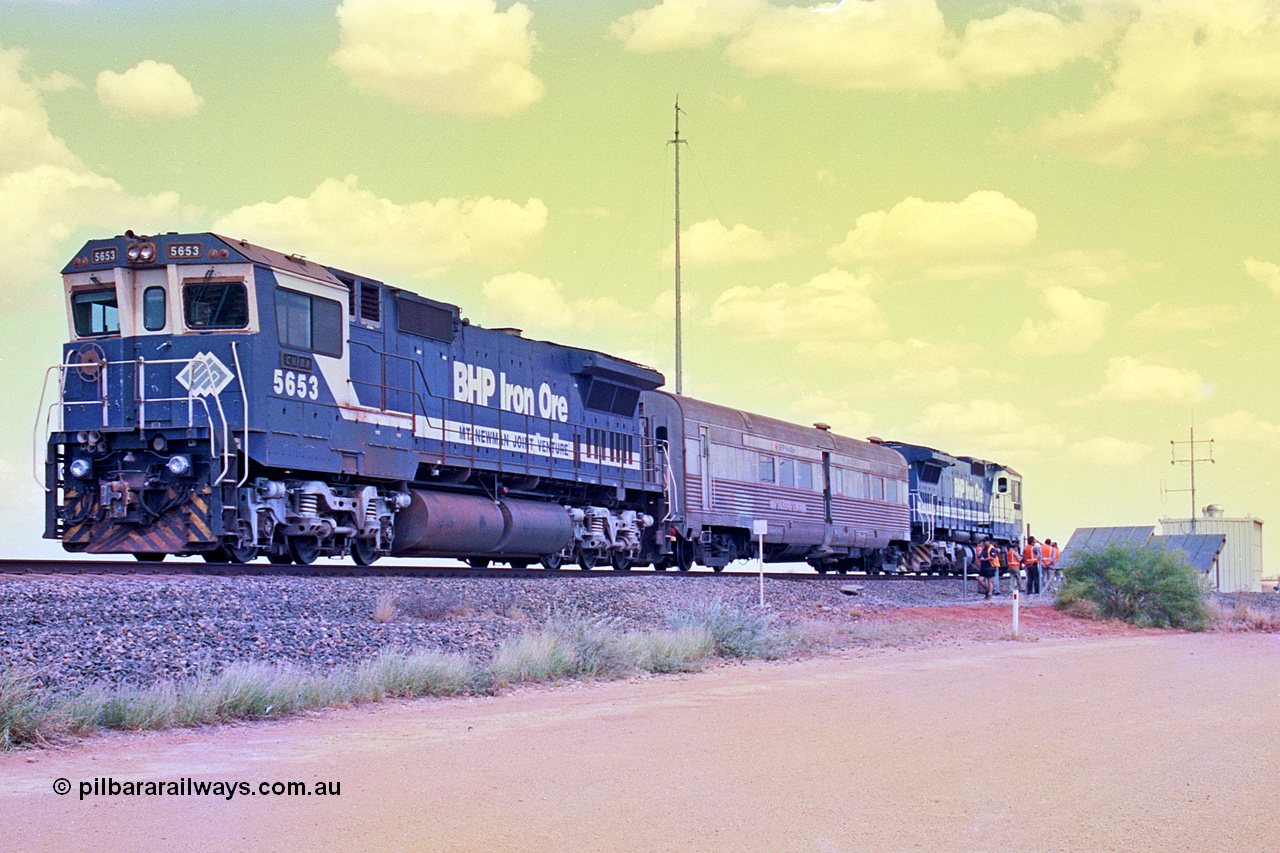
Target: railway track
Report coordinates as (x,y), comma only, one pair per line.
(344,569)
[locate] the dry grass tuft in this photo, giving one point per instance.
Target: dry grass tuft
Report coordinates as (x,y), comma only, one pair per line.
(385,609)
(1242,616)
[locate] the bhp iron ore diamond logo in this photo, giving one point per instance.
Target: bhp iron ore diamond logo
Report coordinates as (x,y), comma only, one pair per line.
(204,375)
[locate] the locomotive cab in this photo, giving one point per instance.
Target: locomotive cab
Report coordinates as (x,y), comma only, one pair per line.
(143,430)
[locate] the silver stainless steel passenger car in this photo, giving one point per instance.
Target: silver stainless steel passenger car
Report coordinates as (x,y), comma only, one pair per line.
(832,501)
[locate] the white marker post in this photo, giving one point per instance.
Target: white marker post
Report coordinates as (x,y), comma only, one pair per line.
(760,528)
(1016,594)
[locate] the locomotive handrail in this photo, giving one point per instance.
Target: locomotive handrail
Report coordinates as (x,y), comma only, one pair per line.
(101,381)
(40,438)
(244,404)
(419,398)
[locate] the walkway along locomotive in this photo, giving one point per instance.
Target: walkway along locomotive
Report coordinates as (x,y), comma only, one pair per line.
(223,399)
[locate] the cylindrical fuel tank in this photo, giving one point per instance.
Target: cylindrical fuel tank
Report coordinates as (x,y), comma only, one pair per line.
(440,524)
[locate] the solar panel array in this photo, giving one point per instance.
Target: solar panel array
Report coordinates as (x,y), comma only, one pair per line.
(1200,549)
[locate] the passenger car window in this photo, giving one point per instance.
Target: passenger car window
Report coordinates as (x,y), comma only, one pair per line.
(94,312)
(804,475)
(213,303)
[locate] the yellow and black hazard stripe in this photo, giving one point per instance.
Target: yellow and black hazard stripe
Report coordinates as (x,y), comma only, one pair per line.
(177,529)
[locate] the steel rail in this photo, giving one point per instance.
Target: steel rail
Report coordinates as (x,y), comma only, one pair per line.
(344,569)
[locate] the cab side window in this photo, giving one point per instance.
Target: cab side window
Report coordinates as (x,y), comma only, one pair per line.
(309,323)
(213,303)
(153,309)
(95,312)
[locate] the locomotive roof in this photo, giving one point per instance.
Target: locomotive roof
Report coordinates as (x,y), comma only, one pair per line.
(920,453)
(111,252)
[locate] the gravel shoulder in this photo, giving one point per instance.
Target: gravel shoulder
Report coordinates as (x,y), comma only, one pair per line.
(79,631)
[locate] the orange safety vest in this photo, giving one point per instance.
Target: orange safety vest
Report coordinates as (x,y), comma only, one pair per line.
(1051,559)
(1014,563)
(1030,554)
(990,555)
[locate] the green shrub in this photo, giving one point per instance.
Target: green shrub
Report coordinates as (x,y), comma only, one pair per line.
(1147,587)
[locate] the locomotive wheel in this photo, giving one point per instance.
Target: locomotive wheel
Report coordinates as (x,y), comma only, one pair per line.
(621,561)
(241,555)
(552,562)
(364,551)
(149,558)
(478,562)
(278,559)
(588,559)
(304,549)
(228,554)
(682,553)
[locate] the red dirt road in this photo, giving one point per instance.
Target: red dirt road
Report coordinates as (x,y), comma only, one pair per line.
(1132,741)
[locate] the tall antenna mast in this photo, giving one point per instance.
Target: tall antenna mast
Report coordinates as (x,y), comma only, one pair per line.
(677,142)
(1191,460)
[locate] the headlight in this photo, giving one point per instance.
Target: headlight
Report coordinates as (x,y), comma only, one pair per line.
(80,468)
(140,253)
(179,465)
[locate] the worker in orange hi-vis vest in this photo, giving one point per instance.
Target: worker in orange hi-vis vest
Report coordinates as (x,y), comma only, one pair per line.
(1049,554)
(1032,557)
(988,565)
(1013,561)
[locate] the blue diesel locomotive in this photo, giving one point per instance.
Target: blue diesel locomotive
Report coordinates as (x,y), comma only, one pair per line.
(956,502)
(222,399)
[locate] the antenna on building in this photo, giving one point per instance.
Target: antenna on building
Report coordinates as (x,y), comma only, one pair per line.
(1191,460)
(677,142)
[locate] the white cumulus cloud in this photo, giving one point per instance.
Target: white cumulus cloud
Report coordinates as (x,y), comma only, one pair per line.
(149,90)
(1021,42)
(1243,427)
(1200,78)
(897,46)
(47,195)
(458,57)
(1129,380)
(1106,451)
(529,301)
(832,305)
(985,224)
(995,426)
(710,244)
(1264,272)
(348,225)
(1076,322)
(682,24)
